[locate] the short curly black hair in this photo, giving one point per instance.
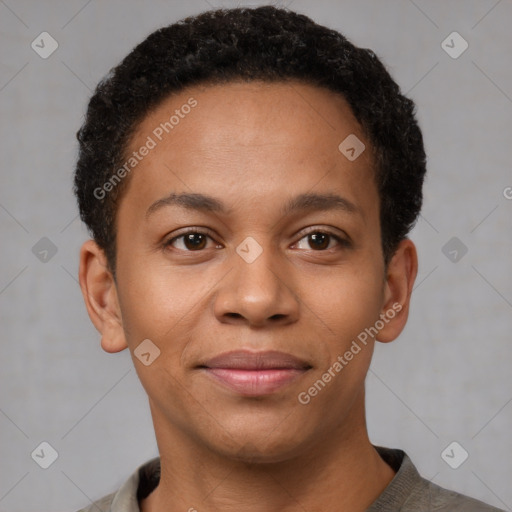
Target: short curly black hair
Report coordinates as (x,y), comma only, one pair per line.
(243,44)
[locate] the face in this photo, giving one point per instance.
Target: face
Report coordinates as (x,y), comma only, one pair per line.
(249,254)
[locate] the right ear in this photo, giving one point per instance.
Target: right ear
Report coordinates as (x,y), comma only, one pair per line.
(100,296)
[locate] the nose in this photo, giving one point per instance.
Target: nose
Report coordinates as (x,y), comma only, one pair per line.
(257,293)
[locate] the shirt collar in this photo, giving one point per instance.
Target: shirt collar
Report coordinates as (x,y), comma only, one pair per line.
(145,479)
(127,497)
(399,489)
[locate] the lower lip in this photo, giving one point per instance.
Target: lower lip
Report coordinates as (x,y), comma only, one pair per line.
(254,382)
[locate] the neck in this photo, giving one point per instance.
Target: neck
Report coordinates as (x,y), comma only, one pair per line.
(340,472)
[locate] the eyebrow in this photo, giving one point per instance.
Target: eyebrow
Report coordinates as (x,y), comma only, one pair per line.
(302,202)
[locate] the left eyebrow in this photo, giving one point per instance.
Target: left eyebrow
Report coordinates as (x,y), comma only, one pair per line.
(319,202)
(302,202)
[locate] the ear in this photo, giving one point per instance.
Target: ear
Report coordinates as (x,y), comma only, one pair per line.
(400,276)
(100,296)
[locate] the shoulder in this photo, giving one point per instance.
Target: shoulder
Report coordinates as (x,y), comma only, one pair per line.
(433,497)
(101,505)
(140,484)
(410,492)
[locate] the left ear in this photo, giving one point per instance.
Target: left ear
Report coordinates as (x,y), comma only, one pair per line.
(401,273)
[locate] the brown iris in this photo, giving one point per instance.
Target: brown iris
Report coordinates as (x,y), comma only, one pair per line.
(320,240)
(194,241)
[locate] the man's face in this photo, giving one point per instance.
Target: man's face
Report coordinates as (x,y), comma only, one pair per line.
(256,276)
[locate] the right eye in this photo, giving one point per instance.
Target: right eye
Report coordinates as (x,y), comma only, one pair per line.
(190,241)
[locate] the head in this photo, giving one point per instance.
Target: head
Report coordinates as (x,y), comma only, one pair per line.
(233,123)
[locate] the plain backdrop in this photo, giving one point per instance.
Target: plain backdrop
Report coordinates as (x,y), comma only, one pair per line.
(447,378)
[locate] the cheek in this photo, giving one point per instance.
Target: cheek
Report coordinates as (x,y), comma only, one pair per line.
(347,304)
(158,304)
(345,301)
(156,298)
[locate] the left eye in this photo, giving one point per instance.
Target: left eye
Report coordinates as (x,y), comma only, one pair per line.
(320,240)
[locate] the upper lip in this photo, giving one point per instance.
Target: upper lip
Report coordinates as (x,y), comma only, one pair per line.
(247,360)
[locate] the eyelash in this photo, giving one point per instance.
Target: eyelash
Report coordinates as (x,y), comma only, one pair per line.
(341,241)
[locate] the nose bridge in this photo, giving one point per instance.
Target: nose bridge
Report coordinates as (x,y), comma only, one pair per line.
(256,268)
(256,289)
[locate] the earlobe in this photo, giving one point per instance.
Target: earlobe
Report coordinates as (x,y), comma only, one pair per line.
(401,274)
(100,296)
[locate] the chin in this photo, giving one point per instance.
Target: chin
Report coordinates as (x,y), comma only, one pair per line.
(254,454)
(261,441)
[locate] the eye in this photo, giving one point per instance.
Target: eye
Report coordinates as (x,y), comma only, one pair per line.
(321,240)
(190,241)
(195,240)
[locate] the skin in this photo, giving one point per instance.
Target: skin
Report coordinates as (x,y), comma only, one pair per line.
(253,146)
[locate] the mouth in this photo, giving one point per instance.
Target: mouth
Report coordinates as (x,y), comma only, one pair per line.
(255,373)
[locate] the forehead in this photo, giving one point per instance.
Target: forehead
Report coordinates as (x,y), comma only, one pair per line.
(249,134)
(255,109)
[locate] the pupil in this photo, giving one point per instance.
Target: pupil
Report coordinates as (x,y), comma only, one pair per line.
(320,239)
(194,241)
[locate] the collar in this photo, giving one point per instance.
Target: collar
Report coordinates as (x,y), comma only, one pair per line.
(145,479)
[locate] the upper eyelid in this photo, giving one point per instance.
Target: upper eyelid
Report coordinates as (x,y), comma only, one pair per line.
(201,231)
(329,231)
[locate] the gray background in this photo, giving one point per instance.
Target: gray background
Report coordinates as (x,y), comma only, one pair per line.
(447,378)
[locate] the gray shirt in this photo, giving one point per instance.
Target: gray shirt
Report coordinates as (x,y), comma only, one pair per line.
(407,492)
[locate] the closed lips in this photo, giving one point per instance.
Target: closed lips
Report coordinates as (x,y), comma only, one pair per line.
(255,374)
(252,361)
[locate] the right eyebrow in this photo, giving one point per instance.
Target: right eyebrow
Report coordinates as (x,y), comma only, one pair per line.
(190,201)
